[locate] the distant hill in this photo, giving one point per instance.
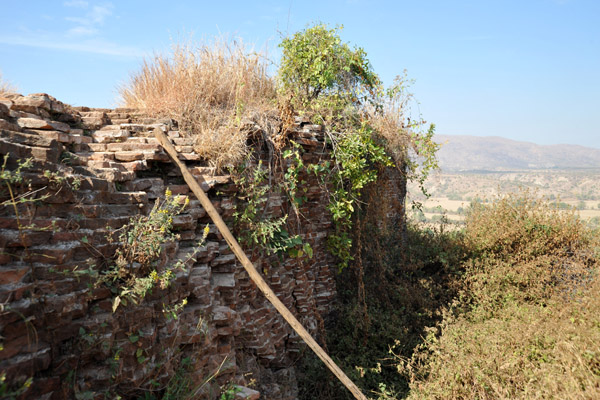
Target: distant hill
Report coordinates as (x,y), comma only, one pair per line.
(492,153)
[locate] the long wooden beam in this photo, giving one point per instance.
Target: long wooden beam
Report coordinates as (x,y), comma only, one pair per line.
(249,267)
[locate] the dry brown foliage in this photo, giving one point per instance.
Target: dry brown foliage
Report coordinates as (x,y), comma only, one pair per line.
(391,121)
(391,133)
(6,88)
(527,325)
(210,89)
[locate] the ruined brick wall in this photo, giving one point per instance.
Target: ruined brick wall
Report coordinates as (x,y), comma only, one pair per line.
(60,331)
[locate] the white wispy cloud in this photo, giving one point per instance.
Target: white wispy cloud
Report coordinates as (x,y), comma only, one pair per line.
(99,13)
(82,30)
(76,3)
(84,34)
(91,21)
(95,46)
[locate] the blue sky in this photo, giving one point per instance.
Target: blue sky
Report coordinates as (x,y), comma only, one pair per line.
(526,70)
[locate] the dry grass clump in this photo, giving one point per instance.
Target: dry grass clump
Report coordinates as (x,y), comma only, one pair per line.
(391,132)
(391,120)
(404,139)
(527,324)
(520,226)
(209,88)
(6,88)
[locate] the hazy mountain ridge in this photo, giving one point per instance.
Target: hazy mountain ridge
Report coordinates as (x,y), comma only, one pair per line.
(492,153)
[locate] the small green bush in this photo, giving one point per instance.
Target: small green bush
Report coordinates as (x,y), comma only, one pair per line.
(315,63)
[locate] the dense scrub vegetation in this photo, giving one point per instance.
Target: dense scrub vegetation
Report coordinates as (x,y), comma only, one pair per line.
(505,309)
(526,323)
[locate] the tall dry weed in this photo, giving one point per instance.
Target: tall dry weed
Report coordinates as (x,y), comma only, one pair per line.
(6,88)
(391,120)
(391,133)
(522,227)
(210,89)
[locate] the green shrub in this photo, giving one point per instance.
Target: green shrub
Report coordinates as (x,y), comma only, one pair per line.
(257,228)
(315,63)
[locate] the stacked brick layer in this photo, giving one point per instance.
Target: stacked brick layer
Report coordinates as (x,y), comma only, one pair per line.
(63,333)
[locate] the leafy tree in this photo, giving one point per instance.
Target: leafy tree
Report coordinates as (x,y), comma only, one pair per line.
(315,62)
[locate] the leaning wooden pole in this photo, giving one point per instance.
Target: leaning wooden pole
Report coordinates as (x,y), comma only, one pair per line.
(249,267)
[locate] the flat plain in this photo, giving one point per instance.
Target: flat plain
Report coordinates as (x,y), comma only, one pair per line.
(452,192)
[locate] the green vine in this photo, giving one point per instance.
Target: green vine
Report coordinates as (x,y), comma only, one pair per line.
(368,128)
(257,228)
(358,160)
(136,268)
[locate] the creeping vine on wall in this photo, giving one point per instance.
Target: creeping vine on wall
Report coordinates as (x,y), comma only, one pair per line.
(366,124)
(258,228)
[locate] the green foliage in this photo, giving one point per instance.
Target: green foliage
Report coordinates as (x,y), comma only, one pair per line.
(136,270)
(519,225)
(229,392)
(9,391)
(315,63)
(505,309)
(426,161)
(405,287)
(173,311)
(358,160)
(291,183)
(368,128)
(16,175)
(256,226)
(16,192)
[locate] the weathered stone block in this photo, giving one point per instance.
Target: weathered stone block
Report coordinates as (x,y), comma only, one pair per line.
(55,135)
(13,275)
(94,119)
(223,280)
(9,126)
(109,136)
(129,155)
(31,138)
(33,102)
(4,111)
(32,123)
